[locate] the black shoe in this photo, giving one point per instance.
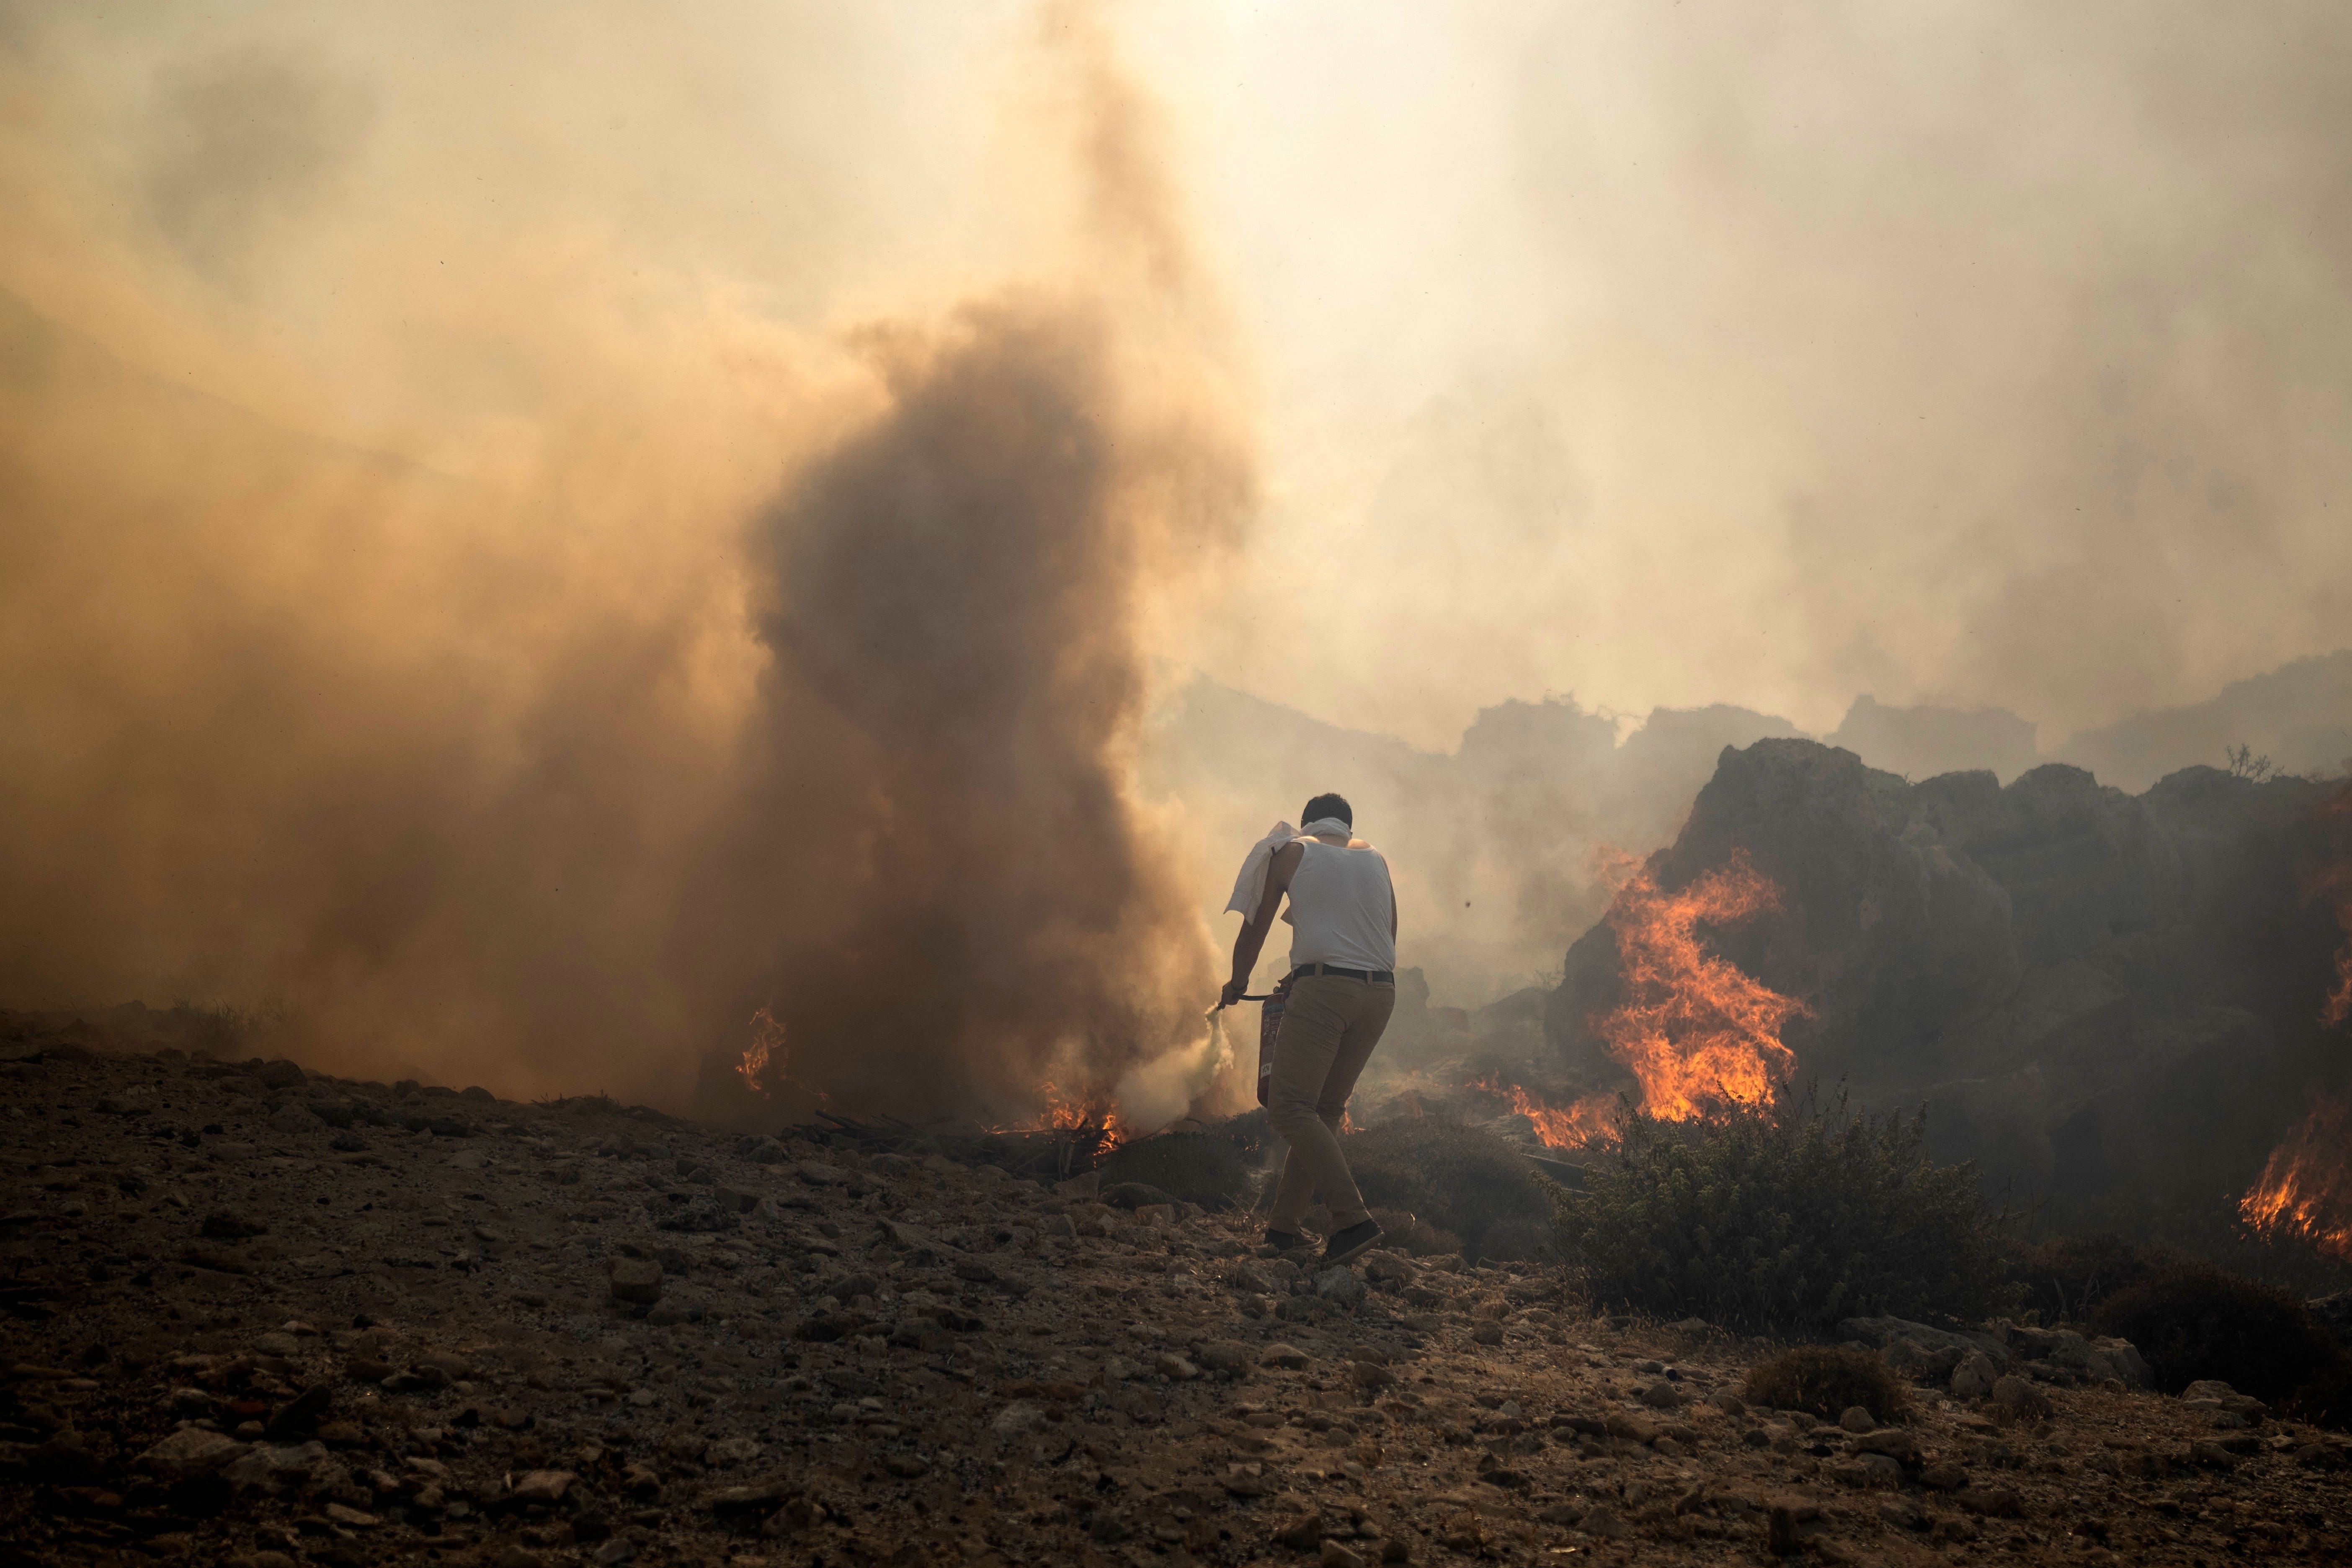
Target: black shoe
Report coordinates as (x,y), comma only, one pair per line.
(1347,1246)
(1284,1240)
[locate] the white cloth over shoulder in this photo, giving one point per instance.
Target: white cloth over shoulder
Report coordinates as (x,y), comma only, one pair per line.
(1249,887)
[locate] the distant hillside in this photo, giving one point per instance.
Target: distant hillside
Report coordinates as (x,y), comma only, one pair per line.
(1497,849)
(2299,715)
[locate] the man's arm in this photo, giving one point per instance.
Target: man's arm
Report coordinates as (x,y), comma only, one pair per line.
(1252,939)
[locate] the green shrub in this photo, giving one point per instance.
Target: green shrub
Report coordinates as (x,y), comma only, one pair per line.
(1455,1178)
(2066,1277)
(2192,1321)
(1789,1218)
(1191,1167)
(1826,1381)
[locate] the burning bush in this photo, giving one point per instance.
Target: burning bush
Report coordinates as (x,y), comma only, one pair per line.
(2192,1321)
(1192,1167)
(1785,1218)
(1459,1179)
(1825,1381)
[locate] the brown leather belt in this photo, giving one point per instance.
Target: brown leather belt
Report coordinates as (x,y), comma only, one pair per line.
(1374,976)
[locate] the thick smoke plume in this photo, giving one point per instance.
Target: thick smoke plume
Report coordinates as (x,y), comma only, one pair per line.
(957,679)
(552,660)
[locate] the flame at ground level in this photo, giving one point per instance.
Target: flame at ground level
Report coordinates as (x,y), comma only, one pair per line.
(762,1067)
(2305,1190)
(1698,1034)
(1559,1127)
(1695,1030)
(1063,1113)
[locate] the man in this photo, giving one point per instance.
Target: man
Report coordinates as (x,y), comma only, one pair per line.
(1342,988)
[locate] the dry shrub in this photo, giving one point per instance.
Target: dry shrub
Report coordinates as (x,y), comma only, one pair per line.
(1826,1381)
(1192,1167)
(1787,1217)
(1459,1179)
(2067,1277)
(1412,1234)
(2192,1321)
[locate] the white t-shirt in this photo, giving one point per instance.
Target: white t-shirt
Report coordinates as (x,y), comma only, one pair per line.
(1341,905)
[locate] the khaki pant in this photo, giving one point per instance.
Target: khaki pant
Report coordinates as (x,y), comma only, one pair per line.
(1328,1034)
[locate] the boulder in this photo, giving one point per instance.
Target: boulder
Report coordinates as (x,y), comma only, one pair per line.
(1974,1377)
(191,1451)
(2055,969)
(636,1279)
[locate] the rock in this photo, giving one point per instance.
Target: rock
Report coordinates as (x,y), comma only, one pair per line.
(66,1457)
(1884,1331)
(1135,1195)
(1730,1404)
(1603,1521)
(1340,1287)
(1993,1502)
(1334,1555)
(541,1486)
(706,1214)
(1225,1355)
(191,1451)
(821,1175)
(1857,1420)
(1632,1427)
(1893,1442)
(1301,1532)
(1370,1374)
(1381,1266)
(1286,1355)
(636,1279)
(1174,1367)
(1017,1418)
(2121,1359)
(279,1074)
(1974,1378)
(300,1415)
(293,1119)
(227,1226)
(1662,1395)
(1487,1334)
(274,1467)
(2020,1399)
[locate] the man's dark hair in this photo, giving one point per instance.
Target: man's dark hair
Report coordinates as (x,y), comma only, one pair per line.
(1324,806)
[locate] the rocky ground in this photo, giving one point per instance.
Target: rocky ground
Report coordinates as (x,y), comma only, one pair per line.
(257,1315)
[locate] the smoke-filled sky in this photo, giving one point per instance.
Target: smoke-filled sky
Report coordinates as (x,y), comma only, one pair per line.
(531,530)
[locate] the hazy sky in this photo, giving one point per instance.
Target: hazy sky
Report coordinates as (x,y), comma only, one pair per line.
(1666,354)
(1968,353)
(394,389)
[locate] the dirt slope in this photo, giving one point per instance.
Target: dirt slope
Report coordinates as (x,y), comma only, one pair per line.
(258,1316)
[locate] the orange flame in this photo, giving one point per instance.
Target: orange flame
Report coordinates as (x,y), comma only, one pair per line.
(1561,1127)
(762,1066)
(1693,1027)
(2305,1191)
(1064,1115)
